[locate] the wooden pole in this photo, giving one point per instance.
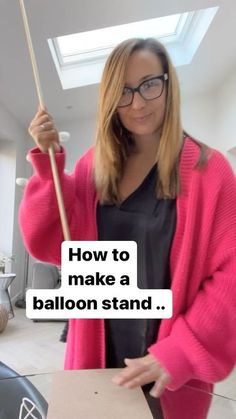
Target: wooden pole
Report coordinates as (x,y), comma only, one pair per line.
(61,207)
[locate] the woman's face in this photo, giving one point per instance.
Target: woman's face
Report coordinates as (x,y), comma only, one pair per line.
(143,117)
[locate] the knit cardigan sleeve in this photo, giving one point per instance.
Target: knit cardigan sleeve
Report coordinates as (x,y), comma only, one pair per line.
(39,215)
(201,344)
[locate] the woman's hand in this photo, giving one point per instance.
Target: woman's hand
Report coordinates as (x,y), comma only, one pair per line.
(140,371)
(43,131)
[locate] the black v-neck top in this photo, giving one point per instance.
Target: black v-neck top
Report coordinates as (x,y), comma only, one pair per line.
(151,223)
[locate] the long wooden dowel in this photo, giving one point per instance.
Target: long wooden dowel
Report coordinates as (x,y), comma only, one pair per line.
(57,185)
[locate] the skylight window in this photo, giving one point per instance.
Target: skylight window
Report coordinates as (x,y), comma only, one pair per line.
(79,58)
(99,42)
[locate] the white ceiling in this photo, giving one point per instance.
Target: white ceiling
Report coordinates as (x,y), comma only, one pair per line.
(214,60)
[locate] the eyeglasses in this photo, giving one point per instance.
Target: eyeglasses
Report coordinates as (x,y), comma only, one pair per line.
(149,89)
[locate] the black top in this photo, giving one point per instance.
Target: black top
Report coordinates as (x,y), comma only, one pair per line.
(151,223)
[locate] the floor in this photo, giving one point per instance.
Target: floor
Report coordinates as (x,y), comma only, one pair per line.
(34,347)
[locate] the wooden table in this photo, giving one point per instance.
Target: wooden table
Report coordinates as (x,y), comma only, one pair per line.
(92,394)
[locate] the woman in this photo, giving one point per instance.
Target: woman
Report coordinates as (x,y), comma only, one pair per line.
(145,180)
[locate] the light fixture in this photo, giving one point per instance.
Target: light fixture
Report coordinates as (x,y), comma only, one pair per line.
(64,136)
(21,181)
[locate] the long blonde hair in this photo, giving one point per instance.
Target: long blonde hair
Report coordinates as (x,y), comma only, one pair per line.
(114,142)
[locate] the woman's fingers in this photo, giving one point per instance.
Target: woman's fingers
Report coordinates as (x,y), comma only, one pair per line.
(41,119)
(43,131)
(159,386)
(128,374)
(137,373)
(140,379)
(141,371)
(42,126)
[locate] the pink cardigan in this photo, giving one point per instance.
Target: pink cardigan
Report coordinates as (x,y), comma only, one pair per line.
(198,344)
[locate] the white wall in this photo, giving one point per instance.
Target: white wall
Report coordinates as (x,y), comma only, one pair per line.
(226,111)
(225,105)
(198,117)
(82,137)
(11,132)
(211,117)
(7,193)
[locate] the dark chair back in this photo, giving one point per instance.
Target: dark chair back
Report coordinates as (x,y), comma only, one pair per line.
(13,388)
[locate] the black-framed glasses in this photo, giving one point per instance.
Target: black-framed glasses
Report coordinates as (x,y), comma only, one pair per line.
(149,89)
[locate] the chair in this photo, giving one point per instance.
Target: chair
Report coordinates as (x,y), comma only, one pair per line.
(13,388)
(45,276)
